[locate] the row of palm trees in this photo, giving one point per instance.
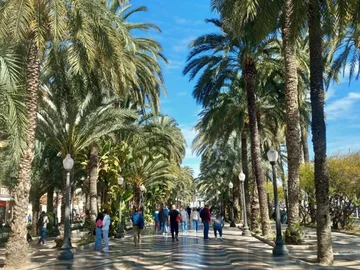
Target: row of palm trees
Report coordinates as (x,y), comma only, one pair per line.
(254,79)
(75,80)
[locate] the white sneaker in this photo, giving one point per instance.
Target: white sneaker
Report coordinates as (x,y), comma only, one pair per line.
(106,249)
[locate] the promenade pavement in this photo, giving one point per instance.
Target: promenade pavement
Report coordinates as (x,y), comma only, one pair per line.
(159,252)
(193,252)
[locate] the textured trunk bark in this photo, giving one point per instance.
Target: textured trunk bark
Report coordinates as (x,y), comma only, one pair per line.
(317,95)
(304,140)
(94,162)
(244,163)
(292,117)
(250,76)
(35,216)
(17,247)
(236,200)
(50,200)
(255,209)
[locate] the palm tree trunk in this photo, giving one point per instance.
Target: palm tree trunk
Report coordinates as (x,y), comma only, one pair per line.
(17,246)
(304,140)
(94,160)
(250,76)
(244,163)
(236,200)
(255,209)
(50,199)
(292,117)
(317,95)
(35,215)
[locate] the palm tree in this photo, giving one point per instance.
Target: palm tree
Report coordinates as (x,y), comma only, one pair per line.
(23,22)
(317,96)
(238,54)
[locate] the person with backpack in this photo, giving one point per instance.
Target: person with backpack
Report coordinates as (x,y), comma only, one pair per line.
(138,225)
(42,223)
(173,220)
(98,230)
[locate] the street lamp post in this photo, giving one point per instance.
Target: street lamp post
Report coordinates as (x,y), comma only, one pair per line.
(232,223)
(66,252)
(120,234)
(279,249)
(246,231)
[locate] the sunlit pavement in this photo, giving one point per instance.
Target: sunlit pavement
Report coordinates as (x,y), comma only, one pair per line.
(159,252)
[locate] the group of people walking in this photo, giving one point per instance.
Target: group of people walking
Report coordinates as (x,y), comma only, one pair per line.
(165,221)
(165,218)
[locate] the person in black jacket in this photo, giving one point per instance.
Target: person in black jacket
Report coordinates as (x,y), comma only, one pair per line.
(162,219)
(174,219)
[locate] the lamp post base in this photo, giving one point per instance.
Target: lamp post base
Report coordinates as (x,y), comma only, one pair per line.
(246,232)
(66,254)
(280,250)
(232,224)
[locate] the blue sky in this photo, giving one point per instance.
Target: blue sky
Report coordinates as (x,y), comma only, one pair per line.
(181,21)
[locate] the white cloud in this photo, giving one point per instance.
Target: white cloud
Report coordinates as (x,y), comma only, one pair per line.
(181,94)
(182,45)
(184,21)
(342,108)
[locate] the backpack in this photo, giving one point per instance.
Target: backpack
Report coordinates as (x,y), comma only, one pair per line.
(41,221)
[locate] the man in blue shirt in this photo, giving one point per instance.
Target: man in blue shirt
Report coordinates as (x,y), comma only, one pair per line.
(138,225)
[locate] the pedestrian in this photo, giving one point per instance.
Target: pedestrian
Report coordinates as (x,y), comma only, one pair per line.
(166,214)
(184,219)
(156,220)
(206,218)
(173,220)
(195,219)
(218,226)
(162,219)
(188,210)
(98,230)
(42,223)
(138,225)
(105,230)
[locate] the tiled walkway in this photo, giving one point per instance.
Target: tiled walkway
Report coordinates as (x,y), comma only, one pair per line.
(159,252)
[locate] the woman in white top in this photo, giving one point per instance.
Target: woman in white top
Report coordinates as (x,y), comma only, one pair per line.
(195,218)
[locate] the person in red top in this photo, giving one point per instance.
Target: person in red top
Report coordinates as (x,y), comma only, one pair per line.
(206,218)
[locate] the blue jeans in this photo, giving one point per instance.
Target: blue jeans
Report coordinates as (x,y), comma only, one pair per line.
(195,224)
(98,232)
(184,226)
(206,229)
(42,235)
(218,229)
(164,227)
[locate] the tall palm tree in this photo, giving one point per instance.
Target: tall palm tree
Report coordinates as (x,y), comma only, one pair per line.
(230,54)
(37,24)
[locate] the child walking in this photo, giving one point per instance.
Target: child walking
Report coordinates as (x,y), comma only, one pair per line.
(218,226)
